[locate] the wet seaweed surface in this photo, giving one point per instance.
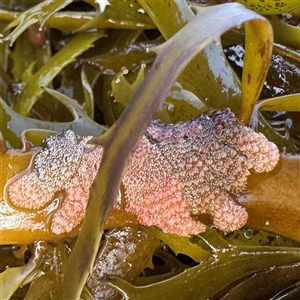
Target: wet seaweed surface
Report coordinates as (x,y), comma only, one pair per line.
(70,69)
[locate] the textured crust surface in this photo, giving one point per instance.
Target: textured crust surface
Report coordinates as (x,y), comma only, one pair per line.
(196,167)
(177,173)
(67,164)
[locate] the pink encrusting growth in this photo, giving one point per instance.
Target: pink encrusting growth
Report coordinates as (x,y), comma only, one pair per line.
(67,163)
(177,173)
(54,166)
(73,207)
(198,166)
(154,195)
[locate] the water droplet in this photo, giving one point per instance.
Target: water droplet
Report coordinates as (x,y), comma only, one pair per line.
(248,234)
(141,11)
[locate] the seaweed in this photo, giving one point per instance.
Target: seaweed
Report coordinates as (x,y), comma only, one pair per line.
(120,65)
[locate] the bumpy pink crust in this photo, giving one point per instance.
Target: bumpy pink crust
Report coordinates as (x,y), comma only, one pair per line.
(177,173)
(54,166)
(203,163)
(66,163)
(73,207)
(154,195)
